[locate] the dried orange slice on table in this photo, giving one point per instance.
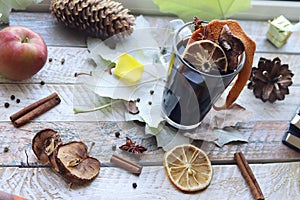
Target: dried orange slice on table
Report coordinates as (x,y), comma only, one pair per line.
(206,56)
(188,168)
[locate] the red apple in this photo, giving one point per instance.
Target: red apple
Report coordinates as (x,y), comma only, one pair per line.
(23,52)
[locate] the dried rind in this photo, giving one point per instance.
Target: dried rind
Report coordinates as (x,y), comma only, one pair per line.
(212,31)
(188,168)
(206,56)
(44,143)
(74,163)
(70,160)
(232,46)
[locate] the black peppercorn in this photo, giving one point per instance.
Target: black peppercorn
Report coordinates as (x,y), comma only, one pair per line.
(6,149)
(12,97)
(151,92)
(6,105)
(50,59)
(150,102)
(138,100)
(117,134)
(18,100)
(42,83)
(134,185)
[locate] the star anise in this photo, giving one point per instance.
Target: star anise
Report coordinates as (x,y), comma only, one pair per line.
(270,80)
(131,147)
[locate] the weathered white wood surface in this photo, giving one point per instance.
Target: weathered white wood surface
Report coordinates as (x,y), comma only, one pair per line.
(278,177)
(264,145)
(60,78)
(277,181)
(58,35)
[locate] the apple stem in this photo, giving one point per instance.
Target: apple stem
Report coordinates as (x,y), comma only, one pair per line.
(25,40)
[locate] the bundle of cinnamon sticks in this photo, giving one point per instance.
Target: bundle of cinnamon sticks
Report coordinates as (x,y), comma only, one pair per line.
(248,175)
(34,110)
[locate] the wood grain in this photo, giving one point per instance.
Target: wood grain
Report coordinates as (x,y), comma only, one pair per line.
(264,145)
(227,183)
(57,35)
(60,78)
(278,176)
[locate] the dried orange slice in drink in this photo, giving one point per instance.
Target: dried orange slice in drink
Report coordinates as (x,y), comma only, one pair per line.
(206,56)
(188,168)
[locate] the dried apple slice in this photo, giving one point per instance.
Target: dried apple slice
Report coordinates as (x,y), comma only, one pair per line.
(44,143)
(75,164)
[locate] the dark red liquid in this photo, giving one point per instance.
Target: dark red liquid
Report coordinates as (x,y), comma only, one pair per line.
(189,94)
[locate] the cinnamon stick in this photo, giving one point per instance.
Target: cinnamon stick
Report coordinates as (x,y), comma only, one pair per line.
(7,196)
(126,164)
(248,175)
(34,110)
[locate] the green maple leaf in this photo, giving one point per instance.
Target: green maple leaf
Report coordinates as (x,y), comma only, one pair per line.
(7,5)
(204,9)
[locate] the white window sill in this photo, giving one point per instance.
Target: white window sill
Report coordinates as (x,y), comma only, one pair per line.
(260,10)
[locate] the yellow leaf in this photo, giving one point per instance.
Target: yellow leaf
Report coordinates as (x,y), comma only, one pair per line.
(128,68)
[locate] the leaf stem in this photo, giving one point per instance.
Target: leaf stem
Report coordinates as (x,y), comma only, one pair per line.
(77,110)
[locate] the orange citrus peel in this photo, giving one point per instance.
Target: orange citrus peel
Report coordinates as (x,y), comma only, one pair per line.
(213,30)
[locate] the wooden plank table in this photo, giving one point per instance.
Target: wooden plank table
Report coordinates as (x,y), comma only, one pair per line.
(276,167)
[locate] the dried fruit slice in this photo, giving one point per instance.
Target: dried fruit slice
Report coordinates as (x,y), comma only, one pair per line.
(44,143)
(232,46)
(188,168)
(75,164)
(214,29)
(206,56)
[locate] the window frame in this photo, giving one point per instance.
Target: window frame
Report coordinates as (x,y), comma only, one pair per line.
(260,9)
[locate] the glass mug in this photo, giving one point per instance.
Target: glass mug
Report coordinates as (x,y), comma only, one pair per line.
(189,94)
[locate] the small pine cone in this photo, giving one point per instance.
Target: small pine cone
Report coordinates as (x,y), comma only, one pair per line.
(270,80)
(98,18)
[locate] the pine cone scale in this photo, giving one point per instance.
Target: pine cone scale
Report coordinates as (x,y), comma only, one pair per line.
(99,18)
(270,80)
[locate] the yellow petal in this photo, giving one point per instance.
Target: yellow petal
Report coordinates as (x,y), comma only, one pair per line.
(129,68)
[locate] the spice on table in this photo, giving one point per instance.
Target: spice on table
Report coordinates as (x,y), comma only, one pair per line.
(134,185)
(62,61)
(42,82)
(114,147)
(126,164)
(131,147)
(34,110)
(50,59)
(6,149)
(248,175)
(12,97)
(4,195)
(132,108)
(117,134)
(6,104)
(18,100)
(151,92)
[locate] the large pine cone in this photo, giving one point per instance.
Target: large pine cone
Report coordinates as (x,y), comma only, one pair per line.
(99,18)
(270,80)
